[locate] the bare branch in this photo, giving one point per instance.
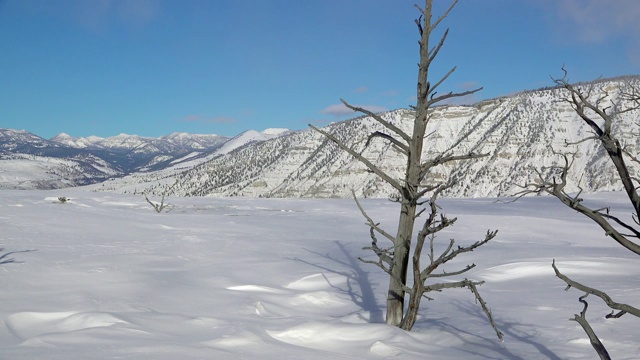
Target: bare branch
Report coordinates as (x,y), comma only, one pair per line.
(435,24)
(601,294)
(418,21)
(370,221)
(445,274)
(435,100)
(379,119)
(378,263)
(445,257)
(432,90)
(402,147)
(485,308)
(434,52)
(157,207)
(631,156)
(385,255)
(443,159)
(571,143)
(439,188)
(580,102)
(634,233)
(471,285)
(361,158)
(556,188)
(593,338)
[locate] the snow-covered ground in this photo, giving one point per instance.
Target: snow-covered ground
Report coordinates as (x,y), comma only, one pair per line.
(229,278)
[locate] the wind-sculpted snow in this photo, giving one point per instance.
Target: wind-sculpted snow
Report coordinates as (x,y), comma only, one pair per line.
(518,134)
(232,278)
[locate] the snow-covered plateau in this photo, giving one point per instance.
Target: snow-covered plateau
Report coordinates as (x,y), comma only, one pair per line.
(240,278)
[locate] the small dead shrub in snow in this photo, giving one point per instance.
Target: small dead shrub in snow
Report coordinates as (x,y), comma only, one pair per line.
(158,207)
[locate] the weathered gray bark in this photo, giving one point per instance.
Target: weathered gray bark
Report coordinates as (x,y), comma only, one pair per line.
(395,260)
(398,278)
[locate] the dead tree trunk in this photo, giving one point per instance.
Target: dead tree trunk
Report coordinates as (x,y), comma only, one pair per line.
(416,183)
(398,278)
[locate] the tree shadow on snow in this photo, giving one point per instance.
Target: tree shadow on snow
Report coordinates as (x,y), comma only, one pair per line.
(481,345)
(487,346)
(356,277)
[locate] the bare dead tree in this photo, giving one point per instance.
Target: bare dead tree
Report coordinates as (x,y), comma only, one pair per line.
(598,110)
(158,207)
(6,257)
(416,189)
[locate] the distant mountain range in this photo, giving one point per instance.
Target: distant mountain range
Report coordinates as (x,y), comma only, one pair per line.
(519,132)
(28,161)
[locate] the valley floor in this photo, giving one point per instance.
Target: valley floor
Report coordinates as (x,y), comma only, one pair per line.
(229,278)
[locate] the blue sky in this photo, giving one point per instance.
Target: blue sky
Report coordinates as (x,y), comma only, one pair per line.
(153,67)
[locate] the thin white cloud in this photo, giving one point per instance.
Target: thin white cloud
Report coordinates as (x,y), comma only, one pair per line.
(598,20)
(601,21)
(469,85)
(336,110)
(209,120)
(339,110)
(139,12)
(361,89)
(98,15)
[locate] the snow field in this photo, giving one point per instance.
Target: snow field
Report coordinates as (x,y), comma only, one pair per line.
(233,278)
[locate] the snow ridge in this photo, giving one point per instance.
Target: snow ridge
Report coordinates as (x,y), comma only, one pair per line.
(517,132)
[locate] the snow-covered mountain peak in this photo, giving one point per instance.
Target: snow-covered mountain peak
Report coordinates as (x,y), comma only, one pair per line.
(241,140)
(275,131)
(184,135)
(125,135)
(61,136)
(68,140)
(17,134)
(94,139)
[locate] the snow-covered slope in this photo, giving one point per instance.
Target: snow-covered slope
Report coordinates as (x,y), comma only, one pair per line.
(276,279)
(273,132)
(247,137)
(67,140)
(123,143)
(20,140)
(21,171)
(29,161)
(518,133)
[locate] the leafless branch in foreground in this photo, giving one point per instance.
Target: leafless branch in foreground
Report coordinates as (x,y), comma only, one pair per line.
(598,111)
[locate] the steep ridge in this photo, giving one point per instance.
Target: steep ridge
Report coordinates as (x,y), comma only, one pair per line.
(518,133)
